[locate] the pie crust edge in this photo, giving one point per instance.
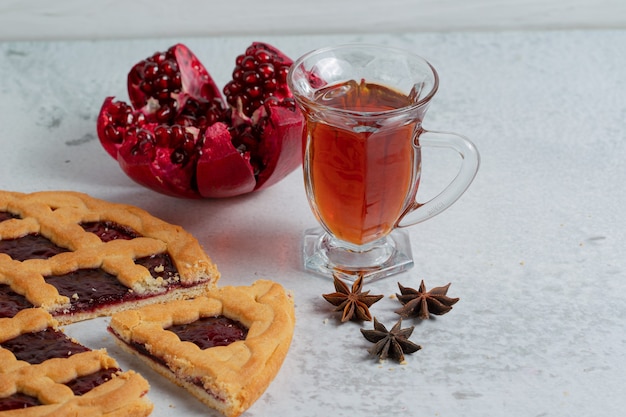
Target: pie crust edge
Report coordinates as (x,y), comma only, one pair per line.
(264,307)
(123,395)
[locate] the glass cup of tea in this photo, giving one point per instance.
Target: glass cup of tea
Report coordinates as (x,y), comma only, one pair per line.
(363,107)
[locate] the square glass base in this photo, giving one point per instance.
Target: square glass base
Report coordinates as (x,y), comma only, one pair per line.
(324,255)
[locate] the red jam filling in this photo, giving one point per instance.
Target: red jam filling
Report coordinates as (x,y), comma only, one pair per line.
(208,332)
(5,215)
(90,289)
(84,384)
(79,386)
(17,401)
(31,246)
(107,230)
(40,346)
(160,265)
(11,302)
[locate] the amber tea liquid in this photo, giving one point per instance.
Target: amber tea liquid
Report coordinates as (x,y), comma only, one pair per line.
(361,178)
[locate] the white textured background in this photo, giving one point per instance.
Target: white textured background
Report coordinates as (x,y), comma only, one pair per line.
(98,19)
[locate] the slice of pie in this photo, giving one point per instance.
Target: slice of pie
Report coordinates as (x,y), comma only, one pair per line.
(79,257)
(45,373)
(224,347)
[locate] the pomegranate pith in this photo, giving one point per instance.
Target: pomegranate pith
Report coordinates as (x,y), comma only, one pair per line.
(178,135)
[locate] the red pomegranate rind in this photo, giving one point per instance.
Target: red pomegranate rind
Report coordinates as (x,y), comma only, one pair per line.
(178,138)
(283,90)
(102,122)
(195,80)
(281,149)
(276,124)
(111,126)
(259,73)
(150,166)
(145,163)
(222,170)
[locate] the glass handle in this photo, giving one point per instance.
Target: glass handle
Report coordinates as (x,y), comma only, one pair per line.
(419,212)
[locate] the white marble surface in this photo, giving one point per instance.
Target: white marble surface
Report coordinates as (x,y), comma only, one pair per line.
(535,249)
(113,19)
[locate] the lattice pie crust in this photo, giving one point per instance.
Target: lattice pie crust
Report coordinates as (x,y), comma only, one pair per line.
(122,395)
(58,216)
(227,378)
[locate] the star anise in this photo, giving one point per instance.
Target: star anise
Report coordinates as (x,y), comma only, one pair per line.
(420,303)
(354,303)
(392,343)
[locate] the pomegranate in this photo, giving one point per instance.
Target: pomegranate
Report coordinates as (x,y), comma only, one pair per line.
(181,137)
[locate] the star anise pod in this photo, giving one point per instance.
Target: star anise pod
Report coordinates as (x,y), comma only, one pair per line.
(392,343)
(420,303)
(354,303)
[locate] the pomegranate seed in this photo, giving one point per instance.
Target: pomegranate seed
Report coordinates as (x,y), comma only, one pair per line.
(163,82)
(282,73)
(254,91)
(186,120)
(159,57)
(145,143)
(146,87)
(178,134)
(178,156)
(211,118)
(131,132)
(201,121)
(237,73)
(162,135)
(266,70)
(113,134)
(150,70)
(248,63)
(170,68)
(177,82)
(163,114)
(262,56)
(270,85)
(189,143)
(251,77)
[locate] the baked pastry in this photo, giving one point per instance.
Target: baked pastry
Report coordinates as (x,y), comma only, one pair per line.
(79,257)
(45,373)
(66,256)
(224,347)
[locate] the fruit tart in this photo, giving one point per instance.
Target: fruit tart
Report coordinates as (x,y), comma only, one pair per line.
(224,347)
(45,373)
(79,257)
